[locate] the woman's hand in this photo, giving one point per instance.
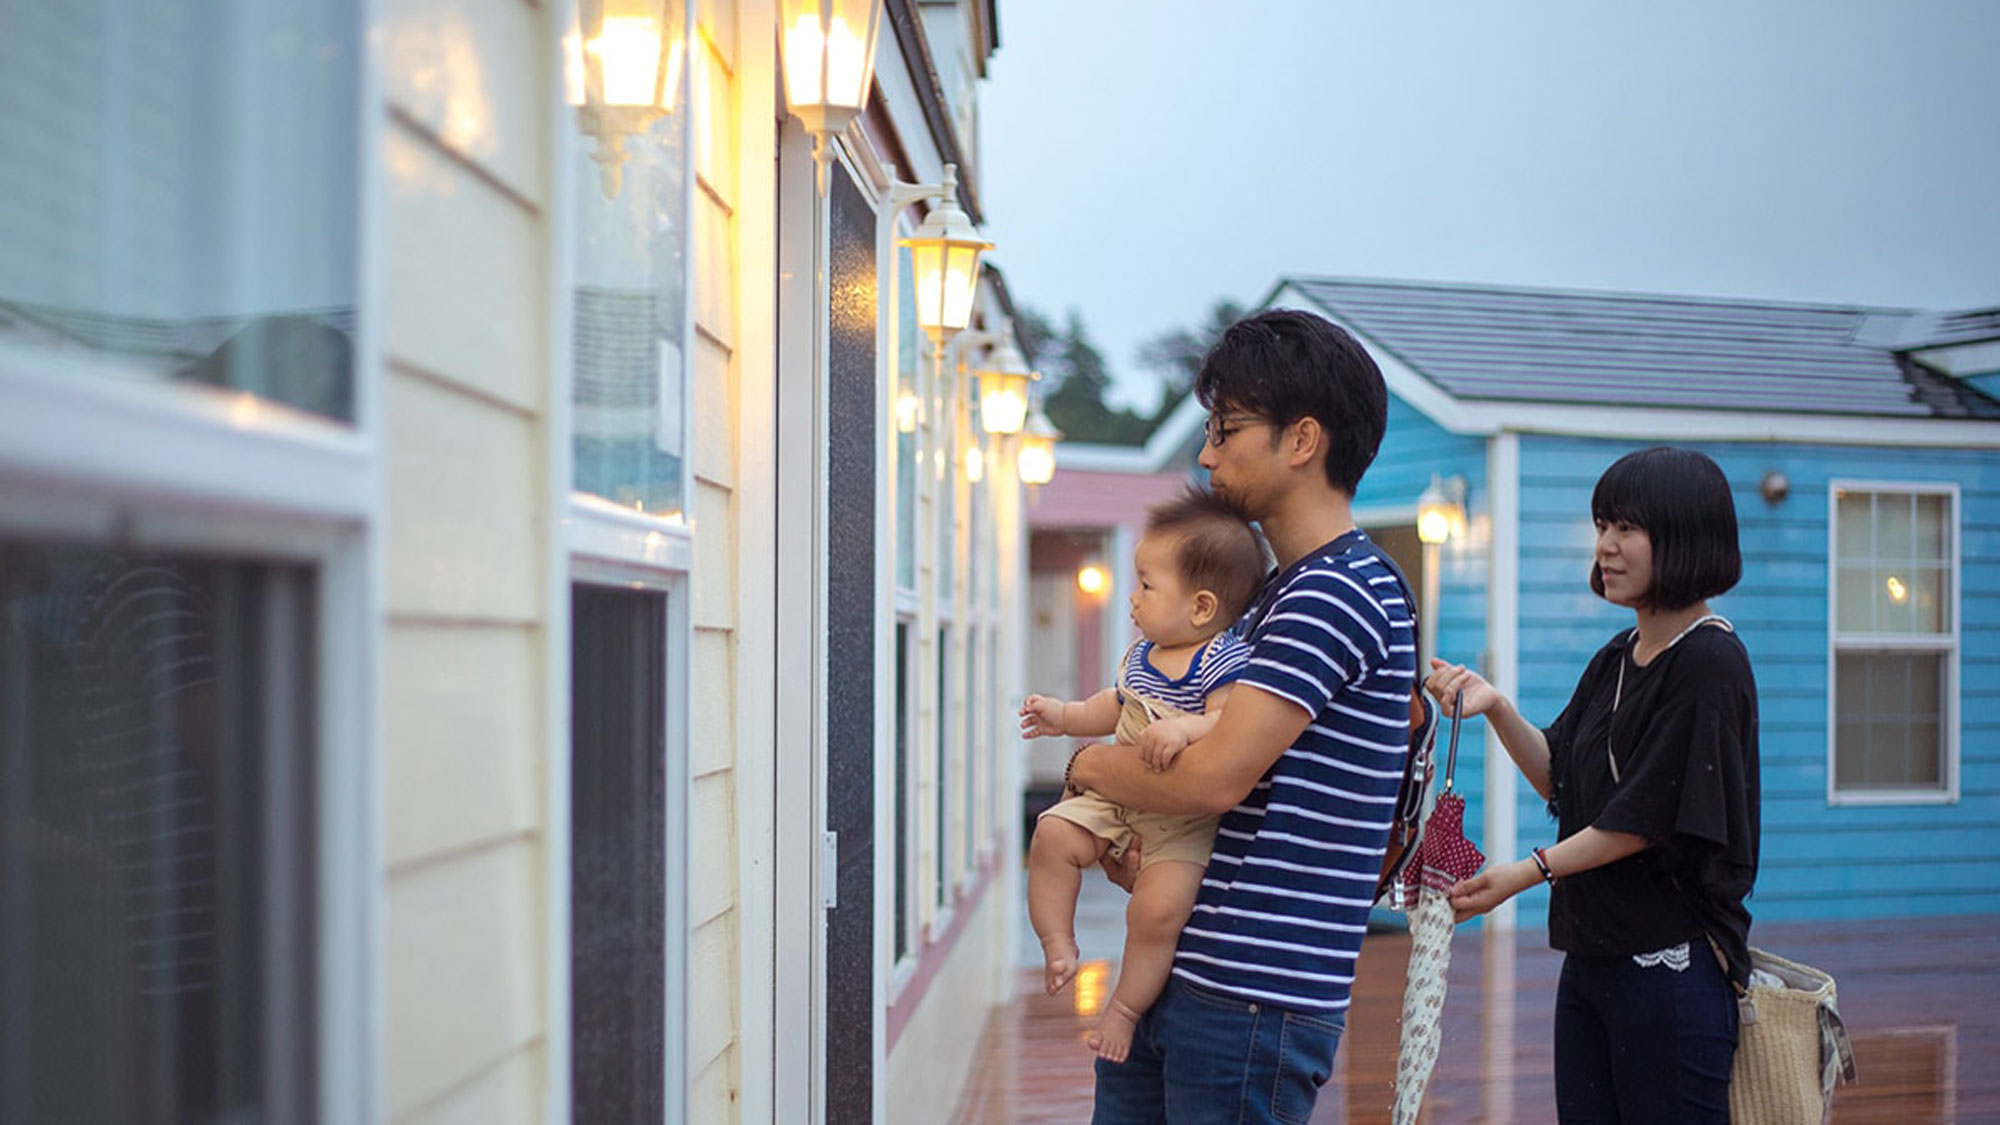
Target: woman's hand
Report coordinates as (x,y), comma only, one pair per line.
(1041,717)
(1491,887)
(1447,680)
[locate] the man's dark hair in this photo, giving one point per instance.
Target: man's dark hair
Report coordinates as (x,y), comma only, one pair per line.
(1215,548)
(1284,365)
(1681,499)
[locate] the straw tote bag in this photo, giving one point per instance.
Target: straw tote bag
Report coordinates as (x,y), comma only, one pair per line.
(1791,1045)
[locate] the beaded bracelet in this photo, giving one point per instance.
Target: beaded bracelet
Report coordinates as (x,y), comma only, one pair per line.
(1542,861)
(1070,768)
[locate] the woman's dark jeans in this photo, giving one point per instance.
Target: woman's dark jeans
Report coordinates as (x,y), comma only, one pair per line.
(1639,1045)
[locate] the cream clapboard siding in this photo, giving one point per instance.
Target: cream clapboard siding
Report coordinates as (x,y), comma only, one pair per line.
(467,457)
(714,1053)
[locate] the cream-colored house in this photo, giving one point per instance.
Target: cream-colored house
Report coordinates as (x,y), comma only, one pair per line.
(499,620)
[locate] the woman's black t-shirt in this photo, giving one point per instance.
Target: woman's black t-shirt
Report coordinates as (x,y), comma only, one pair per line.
(1684,738)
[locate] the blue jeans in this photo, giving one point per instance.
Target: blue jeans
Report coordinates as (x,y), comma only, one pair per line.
(1199,1056)
(1637,1045)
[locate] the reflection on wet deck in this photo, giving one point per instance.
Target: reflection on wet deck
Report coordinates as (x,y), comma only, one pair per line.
(1921,999)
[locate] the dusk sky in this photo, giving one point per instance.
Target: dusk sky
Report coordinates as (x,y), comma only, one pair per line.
(1141,161)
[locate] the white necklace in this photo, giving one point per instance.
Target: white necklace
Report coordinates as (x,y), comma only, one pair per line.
(1619,694)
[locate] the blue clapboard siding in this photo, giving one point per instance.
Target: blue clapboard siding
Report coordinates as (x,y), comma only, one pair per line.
(1820,861)
(1412,450)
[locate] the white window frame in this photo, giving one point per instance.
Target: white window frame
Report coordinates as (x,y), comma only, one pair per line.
(88,454)
(1948,644)
(593,541)
(172,468)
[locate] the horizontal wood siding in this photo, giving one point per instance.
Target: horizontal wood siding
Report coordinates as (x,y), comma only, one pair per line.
(1819,861)
(1414,448)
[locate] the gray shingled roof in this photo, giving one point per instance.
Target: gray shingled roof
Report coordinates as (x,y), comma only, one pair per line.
(1618,349)
(1966,326)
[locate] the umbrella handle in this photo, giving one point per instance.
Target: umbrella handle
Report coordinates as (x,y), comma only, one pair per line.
(1451,757)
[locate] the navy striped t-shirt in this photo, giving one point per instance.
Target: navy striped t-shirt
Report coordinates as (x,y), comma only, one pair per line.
(1285,901)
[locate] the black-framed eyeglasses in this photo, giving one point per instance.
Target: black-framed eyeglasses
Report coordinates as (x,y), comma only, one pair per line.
(1221,427)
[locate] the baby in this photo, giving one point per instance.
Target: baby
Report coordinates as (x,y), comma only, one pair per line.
(1199,564)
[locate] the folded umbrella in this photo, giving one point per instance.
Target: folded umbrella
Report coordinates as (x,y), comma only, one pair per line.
(1444,856)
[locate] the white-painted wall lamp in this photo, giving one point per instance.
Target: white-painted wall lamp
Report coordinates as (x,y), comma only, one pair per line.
(1440,515)
(944,259)
(1035,460)
(1003,374)
(623,65)
(828,55)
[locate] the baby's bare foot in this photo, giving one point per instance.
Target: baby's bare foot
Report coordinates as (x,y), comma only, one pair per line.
(1113,1038)
(1060,953)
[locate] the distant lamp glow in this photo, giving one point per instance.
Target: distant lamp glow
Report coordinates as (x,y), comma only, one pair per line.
(944,257)
(829,62)
(1440,509)
(1003,389)
(624,71)
(1092,580)
(975,464)
(1898,592)
(908,409)
(1036,459)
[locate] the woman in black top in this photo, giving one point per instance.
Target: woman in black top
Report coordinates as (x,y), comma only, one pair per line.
(1651,773)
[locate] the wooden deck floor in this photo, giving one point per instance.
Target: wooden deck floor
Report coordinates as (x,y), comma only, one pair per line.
(1921,1000)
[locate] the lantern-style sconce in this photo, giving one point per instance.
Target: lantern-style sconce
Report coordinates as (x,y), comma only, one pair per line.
(944,256)
(624,64)
(1036,459)
(828,49)
(1003,388)
(1440,509)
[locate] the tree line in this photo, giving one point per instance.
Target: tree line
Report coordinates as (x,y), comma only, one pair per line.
(1077,379)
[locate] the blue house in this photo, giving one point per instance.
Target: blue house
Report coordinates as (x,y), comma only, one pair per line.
(1863,448)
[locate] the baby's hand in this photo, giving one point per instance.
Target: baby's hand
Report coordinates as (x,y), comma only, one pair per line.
(1162,742)
(1041,717)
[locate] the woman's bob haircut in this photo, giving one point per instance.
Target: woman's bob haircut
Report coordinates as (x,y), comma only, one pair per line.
(1681,499)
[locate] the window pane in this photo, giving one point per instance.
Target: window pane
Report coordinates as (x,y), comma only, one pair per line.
(1895,527)
(907,407)
(974,714)
(941,837)
(904,838)
(1933,537)
(1855,527)
(1889,725)
(1930,596)
(628,340)
(618,868)
(156,837)
(1856,593)
(177,192)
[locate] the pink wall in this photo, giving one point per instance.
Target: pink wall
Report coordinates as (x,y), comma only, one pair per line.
(1090,507)
(1084,499)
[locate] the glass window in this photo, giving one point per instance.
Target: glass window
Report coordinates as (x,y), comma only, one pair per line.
(908,406)
(177,186)
(628,338)
(1895,640)
(618,861)
(157,820)
(975,749)
(942,778)
(905,839)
